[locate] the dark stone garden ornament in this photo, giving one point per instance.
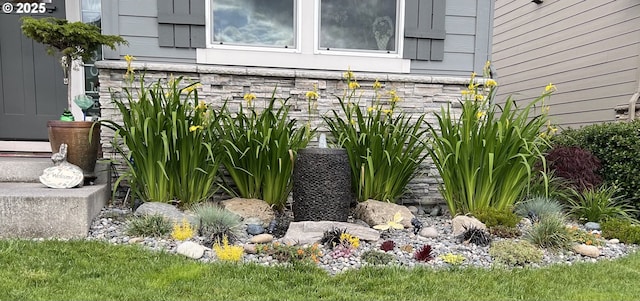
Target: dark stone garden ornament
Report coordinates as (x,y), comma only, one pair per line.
(63,174)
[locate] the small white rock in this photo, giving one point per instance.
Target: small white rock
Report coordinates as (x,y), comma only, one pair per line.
(613,241)
(429,232)
(190,249)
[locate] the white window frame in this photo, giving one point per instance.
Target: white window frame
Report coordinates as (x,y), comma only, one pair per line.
(398,34)
(306,54)
(296,21)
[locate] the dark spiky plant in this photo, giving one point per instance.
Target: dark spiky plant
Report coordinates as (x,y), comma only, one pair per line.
(424,253)
(388,245)
(475,236)
(331,238)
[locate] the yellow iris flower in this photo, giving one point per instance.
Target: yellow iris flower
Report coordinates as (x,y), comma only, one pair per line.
(249,97)
(550,88)
(354,85)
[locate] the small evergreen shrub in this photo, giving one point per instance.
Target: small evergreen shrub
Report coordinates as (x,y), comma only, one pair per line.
(377,257)
(216,223)
(584,237)
(492,217)
(149,225)
(538,207)
(550,233)
(579,166)
(515,253)
(621,229)
(291,254)
(505,232)
(617,145)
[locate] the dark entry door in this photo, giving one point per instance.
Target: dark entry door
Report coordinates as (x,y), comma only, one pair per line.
(31,82)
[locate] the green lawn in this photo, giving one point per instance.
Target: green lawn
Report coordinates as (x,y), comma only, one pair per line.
(80,270)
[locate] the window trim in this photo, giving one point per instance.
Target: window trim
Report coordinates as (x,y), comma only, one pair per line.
(399,36)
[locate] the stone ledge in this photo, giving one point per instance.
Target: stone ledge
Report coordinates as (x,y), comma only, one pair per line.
(31,210)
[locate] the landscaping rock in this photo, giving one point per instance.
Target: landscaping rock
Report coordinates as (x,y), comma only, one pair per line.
(136,240)
(613,241)
(190,249)
(167,210)
(250,248)
(261,239)
(413,209)
(590,226)
(429,232)
(255,229)
(375,212)
(435,211)
(462,222)
(587,250)
(248,208)
(309,232)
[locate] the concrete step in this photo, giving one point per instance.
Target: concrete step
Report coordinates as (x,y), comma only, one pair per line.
(20,169)
(32,210)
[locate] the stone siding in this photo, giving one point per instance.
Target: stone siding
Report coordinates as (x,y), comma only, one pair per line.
(419,93)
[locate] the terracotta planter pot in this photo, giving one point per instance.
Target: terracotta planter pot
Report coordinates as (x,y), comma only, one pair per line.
(82,151)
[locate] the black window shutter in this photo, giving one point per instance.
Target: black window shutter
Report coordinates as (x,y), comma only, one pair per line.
(424,30)
(181,23)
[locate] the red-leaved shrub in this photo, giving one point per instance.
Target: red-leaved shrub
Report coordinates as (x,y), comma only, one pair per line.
(579,166)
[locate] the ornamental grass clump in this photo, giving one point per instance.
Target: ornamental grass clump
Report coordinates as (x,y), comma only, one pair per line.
(148,226)
(550,233)
(486,155)
(538,207)
(259,149)
(217,223)
(385,146)
(596,204)
(167,141)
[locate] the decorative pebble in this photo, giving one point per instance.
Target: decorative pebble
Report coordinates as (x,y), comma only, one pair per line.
(443,243)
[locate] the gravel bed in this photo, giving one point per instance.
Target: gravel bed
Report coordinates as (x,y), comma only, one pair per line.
(110,226)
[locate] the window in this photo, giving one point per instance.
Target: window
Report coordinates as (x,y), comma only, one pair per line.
(91,13)
(364,35)
(357,25)
(254,23)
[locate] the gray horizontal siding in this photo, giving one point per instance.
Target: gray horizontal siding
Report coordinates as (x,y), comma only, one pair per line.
(137,22)
(589,49)
(467,42)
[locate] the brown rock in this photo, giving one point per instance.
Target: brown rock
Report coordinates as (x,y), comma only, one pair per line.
(375,212)
(250,248)
(261,239)
(248,208)
(462,222)
(587,250)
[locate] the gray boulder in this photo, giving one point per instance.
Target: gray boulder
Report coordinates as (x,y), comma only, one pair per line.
(169,211)
(375,212)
